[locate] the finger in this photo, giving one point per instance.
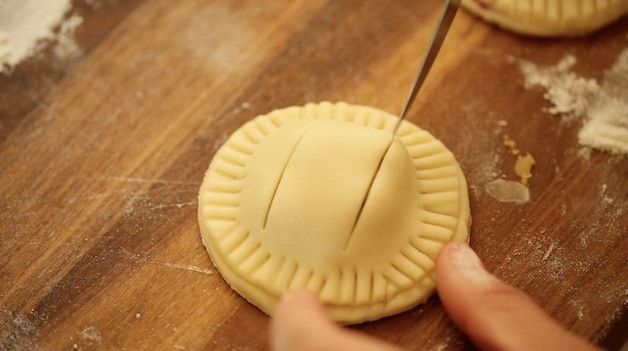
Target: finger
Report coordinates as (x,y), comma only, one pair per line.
(495,315)
(300,323)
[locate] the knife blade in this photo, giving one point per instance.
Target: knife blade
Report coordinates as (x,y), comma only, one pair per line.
(438,36)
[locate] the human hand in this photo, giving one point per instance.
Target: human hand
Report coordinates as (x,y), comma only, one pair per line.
(493,314)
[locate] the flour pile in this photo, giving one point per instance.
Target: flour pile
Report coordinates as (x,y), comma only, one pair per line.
(603,107)
(26,26)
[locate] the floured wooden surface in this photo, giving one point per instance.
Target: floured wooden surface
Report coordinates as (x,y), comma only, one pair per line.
(603,107)
(101,158)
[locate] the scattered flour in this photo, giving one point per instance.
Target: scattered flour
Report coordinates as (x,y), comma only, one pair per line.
(27,25)
(443,346)
(603,107)
(606,126)
(66,47)
(91,334)
(16,332)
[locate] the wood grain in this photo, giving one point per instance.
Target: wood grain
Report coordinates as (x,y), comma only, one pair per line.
(101,159)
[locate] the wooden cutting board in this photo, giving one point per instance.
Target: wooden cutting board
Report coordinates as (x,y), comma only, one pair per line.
(102,156)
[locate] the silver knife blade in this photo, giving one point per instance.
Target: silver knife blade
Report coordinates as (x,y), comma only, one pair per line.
(442,27)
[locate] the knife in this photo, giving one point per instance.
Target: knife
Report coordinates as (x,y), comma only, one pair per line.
(442,27)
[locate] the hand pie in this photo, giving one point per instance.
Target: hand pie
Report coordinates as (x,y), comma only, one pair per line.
(549,18)
(323,197)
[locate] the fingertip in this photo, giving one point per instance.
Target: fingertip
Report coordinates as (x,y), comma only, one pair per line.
(451,285)
(298,313)
(443,261)
(301,323)
(494,314)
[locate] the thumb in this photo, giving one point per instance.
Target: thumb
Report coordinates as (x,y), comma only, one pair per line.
(300,323)
(495,315)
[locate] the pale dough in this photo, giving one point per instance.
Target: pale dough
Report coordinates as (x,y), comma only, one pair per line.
(549,18)
(323,197)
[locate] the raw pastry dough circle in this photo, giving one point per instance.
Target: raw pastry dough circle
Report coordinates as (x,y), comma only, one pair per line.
(323,197)
(549,18)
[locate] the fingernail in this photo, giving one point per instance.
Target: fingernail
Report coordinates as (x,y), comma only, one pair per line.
(292,321)
(292,295)
(469,264)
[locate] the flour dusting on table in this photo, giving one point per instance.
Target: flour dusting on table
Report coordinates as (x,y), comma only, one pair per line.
(26,26)
(602,106)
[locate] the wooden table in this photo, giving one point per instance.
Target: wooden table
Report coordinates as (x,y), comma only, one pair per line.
(102,156)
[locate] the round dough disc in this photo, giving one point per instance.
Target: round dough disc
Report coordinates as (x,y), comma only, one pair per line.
(323,197)
(549,18)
